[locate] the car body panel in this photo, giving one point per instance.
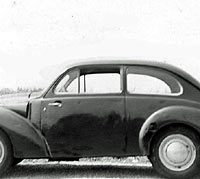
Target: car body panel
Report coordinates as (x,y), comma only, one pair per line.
(27,142)
(34,112)
(87,125)
(20,109)
(139,107)
(165,117)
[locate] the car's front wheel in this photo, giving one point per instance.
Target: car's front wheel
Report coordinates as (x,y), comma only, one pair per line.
(6,157)
(175,153)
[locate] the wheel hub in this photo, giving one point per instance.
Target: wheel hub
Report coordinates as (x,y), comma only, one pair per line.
(177,152)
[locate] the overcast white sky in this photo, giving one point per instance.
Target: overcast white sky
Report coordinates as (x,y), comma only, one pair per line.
(36,35)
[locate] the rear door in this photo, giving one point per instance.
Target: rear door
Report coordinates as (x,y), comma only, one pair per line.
(83,115)
(148,90)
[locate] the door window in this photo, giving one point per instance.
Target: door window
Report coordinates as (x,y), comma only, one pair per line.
(100,83)
(93,83)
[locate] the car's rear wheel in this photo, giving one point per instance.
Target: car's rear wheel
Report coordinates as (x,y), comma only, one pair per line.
(6,157)
(175,153)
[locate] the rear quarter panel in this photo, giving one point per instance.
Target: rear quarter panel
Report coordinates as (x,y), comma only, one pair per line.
(143,110)
(168,116)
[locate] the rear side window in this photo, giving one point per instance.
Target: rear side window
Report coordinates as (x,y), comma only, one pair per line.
(147,80)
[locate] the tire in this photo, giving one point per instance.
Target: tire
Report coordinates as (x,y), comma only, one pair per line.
(6,154)
(175,153)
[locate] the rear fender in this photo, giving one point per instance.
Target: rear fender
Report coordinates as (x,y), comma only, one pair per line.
(26,140)
(179,115)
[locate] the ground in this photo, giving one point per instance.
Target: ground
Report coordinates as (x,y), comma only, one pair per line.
(138,167)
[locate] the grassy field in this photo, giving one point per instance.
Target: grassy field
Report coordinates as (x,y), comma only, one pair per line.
(14,98)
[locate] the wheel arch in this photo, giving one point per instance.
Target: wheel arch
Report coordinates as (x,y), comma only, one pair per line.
(173,125)
(174,116)
(6,134)
(25,139)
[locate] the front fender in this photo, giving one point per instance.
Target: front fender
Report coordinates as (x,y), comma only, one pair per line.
(181,115)
(27,141)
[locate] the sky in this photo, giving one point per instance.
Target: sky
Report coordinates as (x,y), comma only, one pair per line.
(38,36)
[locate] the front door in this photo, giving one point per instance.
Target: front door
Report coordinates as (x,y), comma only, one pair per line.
(84,115)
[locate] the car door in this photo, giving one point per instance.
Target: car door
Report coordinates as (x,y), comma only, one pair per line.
(83,114)
(148,90)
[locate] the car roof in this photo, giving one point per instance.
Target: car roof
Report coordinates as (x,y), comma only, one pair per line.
(129,62)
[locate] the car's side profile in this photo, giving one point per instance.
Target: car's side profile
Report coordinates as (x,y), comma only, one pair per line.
(109,108)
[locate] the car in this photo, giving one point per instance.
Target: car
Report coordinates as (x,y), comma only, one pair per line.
(113,108)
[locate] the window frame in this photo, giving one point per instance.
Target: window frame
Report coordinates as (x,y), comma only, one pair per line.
(78,70)
(85,83)
(61,78)
(146,70)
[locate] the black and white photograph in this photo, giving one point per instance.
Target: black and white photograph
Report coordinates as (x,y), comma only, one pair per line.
(99,89)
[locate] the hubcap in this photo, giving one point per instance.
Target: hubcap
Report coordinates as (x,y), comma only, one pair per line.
(177,152)
(2,151)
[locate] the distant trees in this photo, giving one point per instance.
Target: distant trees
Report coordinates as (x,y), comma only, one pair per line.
(26,90)
(5,91)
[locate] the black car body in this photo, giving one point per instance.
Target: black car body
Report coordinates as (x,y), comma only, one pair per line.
(85,120)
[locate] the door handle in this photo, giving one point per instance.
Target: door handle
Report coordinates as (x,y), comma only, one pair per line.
(56,104)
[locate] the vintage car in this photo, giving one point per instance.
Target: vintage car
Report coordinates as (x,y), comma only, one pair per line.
(109,108)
